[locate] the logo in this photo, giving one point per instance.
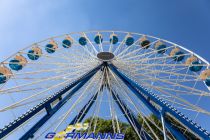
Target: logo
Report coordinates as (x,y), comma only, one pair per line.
(72,133)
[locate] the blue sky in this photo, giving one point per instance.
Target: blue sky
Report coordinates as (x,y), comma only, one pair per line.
(23,22)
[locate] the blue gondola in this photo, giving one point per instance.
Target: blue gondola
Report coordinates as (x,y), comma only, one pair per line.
(50,48)
(145,44)
(161,48)
(113,39)
(66,43)
(178,56)
(3,78)
(32,55)
(5,74)
(205,76)
(14,64)
(207,81)
(98,39)
(129,41)
(82,41)
(195,66)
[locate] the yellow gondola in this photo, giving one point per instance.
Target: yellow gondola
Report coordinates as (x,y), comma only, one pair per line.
(160,46)
(205,75)
(98,39)
(194,64)
(113,39)
(67,42)
(5,74)
(18,62)
(177,54)
(51,47)
(144,42)
(34,53)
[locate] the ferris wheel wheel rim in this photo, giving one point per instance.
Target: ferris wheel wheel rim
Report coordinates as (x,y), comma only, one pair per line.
(109,31)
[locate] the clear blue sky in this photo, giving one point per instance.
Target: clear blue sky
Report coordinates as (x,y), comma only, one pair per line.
(186,22)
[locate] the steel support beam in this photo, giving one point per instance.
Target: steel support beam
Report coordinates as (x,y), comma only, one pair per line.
(163,125)
(46,104)
(146,96)
(131,118)
(80,116)
(50,113)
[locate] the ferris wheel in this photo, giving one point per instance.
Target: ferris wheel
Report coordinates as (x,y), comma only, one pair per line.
(116,75)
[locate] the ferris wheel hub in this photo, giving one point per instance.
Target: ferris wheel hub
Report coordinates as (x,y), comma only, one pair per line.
(105,56)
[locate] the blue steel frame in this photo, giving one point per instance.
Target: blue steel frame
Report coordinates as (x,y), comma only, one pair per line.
(51,112)
(129,114)
(46,104)
(80,116)
(146,97)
